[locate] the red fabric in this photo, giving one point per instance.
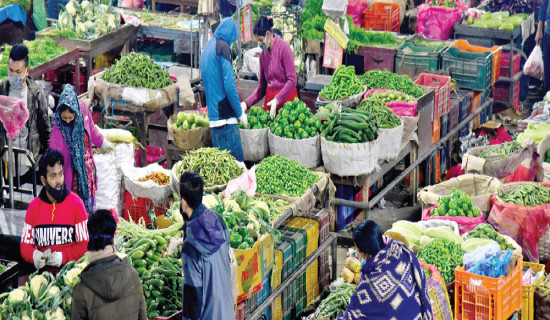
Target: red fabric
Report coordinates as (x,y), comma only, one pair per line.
(270,94)
(60,227)
(501,137)
(465,224)
(454,172)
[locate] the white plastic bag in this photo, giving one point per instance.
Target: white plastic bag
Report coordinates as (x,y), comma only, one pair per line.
(534,67)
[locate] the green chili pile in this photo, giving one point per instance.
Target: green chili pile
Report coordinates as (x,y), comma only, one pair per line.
(504,150)
(281,176)
(445,255)
(385,118)
(215,166)
(138,70)
(344,84)
(527,195)
(376,79)
(336,302)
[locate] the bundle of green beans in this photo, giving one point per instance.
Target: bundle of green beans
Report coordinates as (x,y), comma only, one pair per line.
(344,84)
(281,176)
(138,70)
(215,166)
(527,195)
(384,116)
(445,255)
(504,150)
(336,302)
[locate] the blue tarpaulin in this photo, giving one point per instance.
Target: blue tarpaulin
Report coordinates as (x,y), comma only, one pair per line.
(14,13)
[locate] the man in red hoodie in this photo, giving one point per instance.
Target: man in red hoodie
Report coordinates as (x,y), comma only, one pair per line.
(55,230)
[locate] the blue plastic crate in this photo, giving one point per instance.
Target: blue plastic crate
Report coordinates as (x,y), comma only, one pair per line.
(54,7)
(465,100)
(298,239)
(264,294)
(345,214)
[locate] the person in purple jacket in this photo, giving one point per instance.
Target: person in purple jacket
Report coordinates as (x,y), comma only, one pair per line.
(277,70)
(73,134)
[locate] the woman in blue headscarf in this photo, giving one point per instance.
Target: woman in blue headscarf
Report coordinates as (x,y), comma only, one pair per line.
(73,134)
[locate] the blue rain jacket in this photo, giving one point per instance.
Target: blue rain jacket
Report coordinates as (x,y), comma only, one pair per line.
(207,292)
(217,74)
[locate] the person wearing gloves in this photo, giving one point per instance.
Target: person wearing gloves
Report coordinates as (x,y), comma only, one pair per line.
(73,134)
(207,292)
(222,98)
(277,70)
(55,230)
(109,286)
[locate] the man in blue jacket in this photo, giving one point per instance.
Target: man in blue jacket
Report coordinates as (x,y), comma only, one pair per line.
(222,99)
(207,292)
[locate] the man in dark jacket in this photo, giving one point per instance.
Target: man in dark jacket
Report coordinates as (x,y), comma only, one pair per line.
(35,135)
(109,286)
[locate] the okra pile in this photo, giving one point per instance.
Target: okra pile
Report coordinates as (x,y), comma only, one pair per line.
(344,84)
(527,195)
(384,116)
(376,79)
(445,255)
(138,70)
(215,166)
(281,176)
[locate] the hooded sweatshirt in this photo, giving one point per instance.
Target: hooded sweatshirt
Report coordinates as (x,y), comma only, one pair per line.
(109,289)
(218,78)
(207,292)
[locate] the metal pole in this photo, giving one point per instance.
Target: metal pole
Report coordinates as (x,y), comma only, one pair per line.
(258,312)
(10,170)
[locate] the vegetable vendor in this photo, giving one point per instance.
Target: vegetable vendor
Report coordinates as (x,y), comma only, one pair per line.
(109,286)
(35,134)
(542,38)
(73,134)
(392,283)
(222,98)
(55,230)
(207,286)
(277,70)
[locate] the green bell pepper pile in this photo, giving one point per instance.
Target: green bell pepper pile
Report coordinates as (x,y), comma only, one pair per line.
(257,119)
(281,176)
(344,84)
(445,255)
(458,204)
(376,79)
(295,121)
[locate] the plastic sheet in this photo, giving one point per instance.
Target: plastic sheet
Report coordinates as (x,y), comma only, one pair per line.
(465,224)
(494,268)
(481,253)
(437,22)
(13,114)
(400,108)
(534,66)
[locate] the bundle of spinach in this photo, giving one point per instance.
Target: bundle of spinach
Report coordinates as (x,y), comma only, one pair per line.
(313,19)
(359,37)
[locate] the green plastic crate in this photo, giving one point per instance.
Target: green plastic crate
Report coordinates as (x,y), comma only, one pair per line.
(287,296)
(298,240)
(410,55)
(470,70)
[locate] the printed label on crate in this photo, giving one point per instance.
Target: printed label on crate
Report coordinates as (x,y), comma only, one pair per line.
(246,21)
(267,253)
(477,283)
(336,32)
(248,271)
(333,55)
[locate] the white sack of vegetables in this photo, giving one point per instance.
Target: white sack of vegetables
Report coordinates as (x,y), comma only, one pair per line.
(151,182)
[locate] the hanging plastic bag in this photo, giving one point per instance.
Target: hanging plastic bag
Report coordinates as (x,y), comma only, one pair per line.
(13,114)
(534,66)
(438,22)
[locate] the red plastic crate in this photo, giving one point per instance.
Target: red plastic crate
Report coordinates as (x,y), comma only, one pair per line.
(383,17)
(50,76)
(478,297)
(136,208)
(505,64)
(441,86)
(501,93)
(241,307)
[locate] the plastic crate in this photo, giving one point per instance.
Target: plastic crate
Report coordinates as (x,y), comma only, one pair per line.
(436,130)
(344,214)
(251,303)
(528,305)
(276,276)
(444,125)
(411,56)
(464,45)
(505,64)
(298,240)
(383,17)
(323,218)
(441,85)
(464,99)
(478,297)
(8,278)
(312,272)
(501,93)
(470,70)
(377,58)
(241,309)
(264,294)
(136,208)
(284,248)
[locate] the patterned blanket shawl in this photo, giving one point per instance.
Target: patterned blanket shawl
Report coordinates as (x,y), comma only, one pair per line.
(392,287)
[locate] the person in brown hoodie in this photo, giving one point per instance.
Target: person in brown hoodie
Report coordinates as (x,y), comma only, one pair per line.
(109,286)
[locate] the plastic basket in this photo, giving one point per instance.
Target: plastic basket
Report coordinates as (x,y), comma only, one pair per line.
(276,276)
(412,56)
(241,309)
(441,85)
(436,130)
(383,17)
(505,64)
(464,45)
(284,248)
(470,70)
(528,305)
(264,294)
(501,93)
(323,217)
(136,208)
(298,240)
(478,297)
(251,303)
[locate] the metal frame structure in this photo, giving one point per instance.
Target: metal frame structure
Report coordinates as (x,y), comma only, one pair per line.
(11,152)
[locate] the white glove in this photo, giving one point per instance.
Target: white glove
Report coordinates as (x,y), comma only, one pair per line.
(244,120)
(175,246)
(273,108)
(107,146)
(244,106)
(55,259)
(39,259)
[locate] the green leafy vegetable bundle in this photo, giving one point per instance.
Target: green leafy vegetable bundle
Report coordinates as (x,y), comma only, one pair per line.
(215,166)
(295,121)
(350,126)
(344,83)
(445,255)
(281,176)
(313,17)
(376,79)
(138,70)
(458,204)
(486,231)
(504,150)
(257,119)
(336,302)
(527,195)
(41,50)
(359,37)
(376,102)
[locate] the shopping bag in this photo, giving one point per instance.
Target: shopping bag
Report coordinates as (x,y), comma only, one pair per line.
(534,66)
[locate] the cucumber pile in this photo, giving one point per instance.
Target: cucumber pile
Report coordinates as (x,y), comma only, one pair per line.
(350,126)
